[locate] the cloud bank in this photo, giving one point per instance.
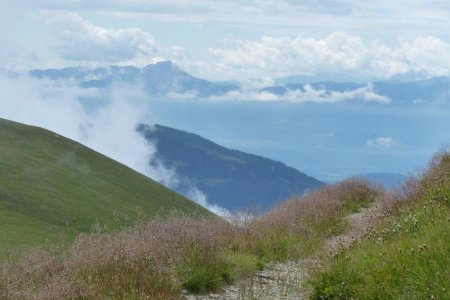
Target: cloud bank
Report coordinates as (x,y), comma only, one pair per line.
(307,94)
(81,40)
(336,53)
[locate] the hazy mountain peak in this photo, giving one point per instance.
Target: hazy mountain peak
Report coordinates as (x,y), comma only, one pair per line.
(160,79)
(164,67)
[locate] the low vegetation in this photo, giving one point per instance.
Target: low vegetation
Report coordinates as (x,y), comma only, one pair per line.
(158,258)
(407,255)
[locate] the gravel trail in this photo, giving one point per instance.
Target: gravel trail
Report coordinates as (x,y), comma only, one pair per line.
(284,281)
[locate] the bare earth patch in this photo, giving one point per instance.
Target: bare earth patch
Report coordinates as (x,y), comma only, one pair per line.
(360,223)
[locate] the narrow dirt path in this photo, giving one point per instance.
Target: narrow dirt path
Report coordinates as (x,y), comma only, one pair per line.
(284,281)
(360,223)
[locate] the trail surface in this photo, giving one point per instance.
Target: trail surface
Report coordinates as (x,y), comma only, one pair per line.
(284,281)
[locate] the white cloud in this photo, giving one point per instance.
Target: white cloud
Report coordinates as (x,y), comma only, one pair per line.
(385,142)
(337,53)
(426,54)
(308,94)
(200,198)
(383,18)
(55,106)
(81,40)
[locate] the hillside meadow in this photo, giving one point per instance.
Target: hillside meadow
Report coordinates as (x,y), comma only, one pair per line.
(159,258)
(405,255)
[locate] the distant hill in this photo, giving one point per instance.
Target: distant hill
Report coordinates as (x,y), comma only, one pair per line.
(159,79)
(50,186)
(166,79)
(230,178)
(388,180)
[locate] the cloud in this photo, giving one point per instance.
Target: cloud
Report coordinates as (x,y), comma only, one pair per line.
(81,40)
(205,9)
(109,129)
(380,19)
(385,142)
(426,54)
(308,94)
(195,193)
(336,53)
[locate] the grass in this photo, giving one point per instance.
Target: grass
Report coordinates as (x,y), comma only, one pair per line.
(407,255)
(47,184)
(159,258)
(52,188)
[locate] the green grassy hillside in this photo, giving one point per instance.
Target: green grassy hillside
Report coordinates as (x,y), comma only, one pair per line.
(51,186)
(407,255)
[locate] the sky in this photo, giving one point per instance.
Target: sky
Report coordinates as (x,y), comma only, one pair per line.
(253,42)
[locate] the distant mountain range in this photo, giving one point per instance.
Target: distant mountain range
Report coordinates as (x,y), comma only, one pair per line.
(232,179)
(165,79)
(159,79)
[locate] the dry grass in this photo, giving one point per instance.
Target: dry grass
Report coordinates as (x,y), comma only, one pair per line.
(407,255)
(299,227)
(159,258)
